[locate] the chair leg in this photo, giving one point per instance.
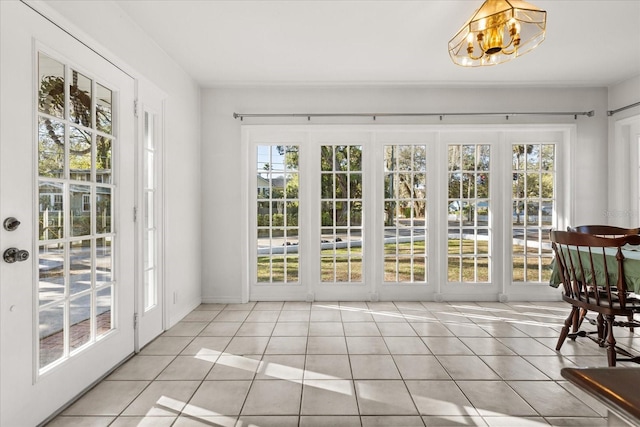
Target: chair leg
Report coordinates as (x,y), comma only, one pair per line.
(601,330)
(565,329)
(630,318)
(583,314)
(611,341)
(575,322)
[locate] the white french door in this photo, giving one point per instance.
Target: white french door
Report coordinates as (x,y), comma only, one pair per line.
(402,212)
(323,212)
(66,169)
(150,292)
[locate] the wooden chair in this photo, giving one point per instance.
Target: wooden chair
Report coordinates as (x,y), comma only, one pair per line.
(602,231)
(591,283)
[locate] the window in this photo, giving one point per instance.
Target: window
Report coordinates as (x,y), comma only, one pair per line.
(341,209)
(86,202)
(150,230)
(468,210)
(405,211)
(276,174)
(533,201)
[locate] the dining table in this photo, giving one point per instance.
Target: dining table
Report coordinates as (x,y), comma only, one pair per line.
(631,266)
(616,388)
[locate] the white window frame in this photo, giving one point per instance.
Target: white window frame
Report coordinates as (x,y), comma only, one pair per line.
(564,137)
(624,173)
(373,138)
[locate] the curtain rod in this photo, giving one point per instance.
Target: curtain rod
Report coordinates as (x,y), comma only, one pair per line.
(241,116)
(612,112)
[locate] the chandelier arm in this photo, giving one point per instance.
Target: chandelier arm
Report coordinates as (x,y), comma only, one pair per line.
(509,44)
(476,57)
(514,50)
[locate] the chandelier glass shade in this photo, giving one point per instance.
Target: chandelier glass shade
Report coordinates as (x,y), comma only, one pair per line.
(498,32)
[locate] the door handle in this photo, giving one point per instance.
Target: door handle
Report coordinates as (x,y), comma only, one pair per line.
(12,255)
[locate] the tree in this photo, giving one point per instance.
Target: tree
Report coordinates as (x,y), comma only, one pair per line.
(342,179)
(469,167)
(519,183)
(51,101)
(406,179)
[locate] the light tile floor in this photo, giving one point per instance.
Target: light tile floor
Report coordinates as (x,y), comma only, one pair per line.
(352,364)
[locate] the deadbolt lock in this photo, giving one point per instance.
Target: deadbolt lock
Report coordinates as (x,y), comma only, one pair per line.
(11,224)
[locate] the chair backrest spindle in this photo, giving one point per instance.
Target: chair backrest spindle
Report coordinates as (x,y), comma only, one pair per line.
(591,267)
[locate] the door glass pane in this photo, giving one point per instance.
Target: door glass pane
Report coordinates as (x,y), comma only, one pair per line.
(104,260)
(148,170)
(277,213)
(103,159)
(149,245)
(80,219)
(341,204)
(51,268)
(73,263)
(150,288)
(533,211)
(80,92)
(468,210)
(51,333)
(104,98)
(80,266)
(50,148)
(79,154)
(149,209)
(103,210)
(51,86)
(405,226)
(80,321)
(104,310)
(51,215)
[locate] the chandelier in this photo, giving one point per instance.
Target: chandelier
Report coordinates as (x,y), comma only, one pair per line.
(498,32)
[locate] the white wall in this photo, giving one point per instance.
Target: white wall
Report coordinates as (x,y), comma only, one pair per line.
(221,162)
(124,44)
(625,93)
(624,128)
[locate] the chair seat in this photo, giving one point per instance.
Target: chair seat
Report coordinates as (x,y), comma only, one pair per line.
(605,306)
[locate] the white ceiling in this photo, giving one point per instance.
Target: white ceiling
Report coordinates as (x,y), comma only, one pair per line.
(219,43)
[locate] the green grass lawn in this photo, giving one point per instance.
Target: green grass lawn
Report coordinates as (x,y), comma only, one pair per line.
(399,262)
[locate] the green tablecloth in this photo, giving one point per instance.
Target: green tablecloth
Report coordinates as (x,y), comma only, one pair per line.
(631,265)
